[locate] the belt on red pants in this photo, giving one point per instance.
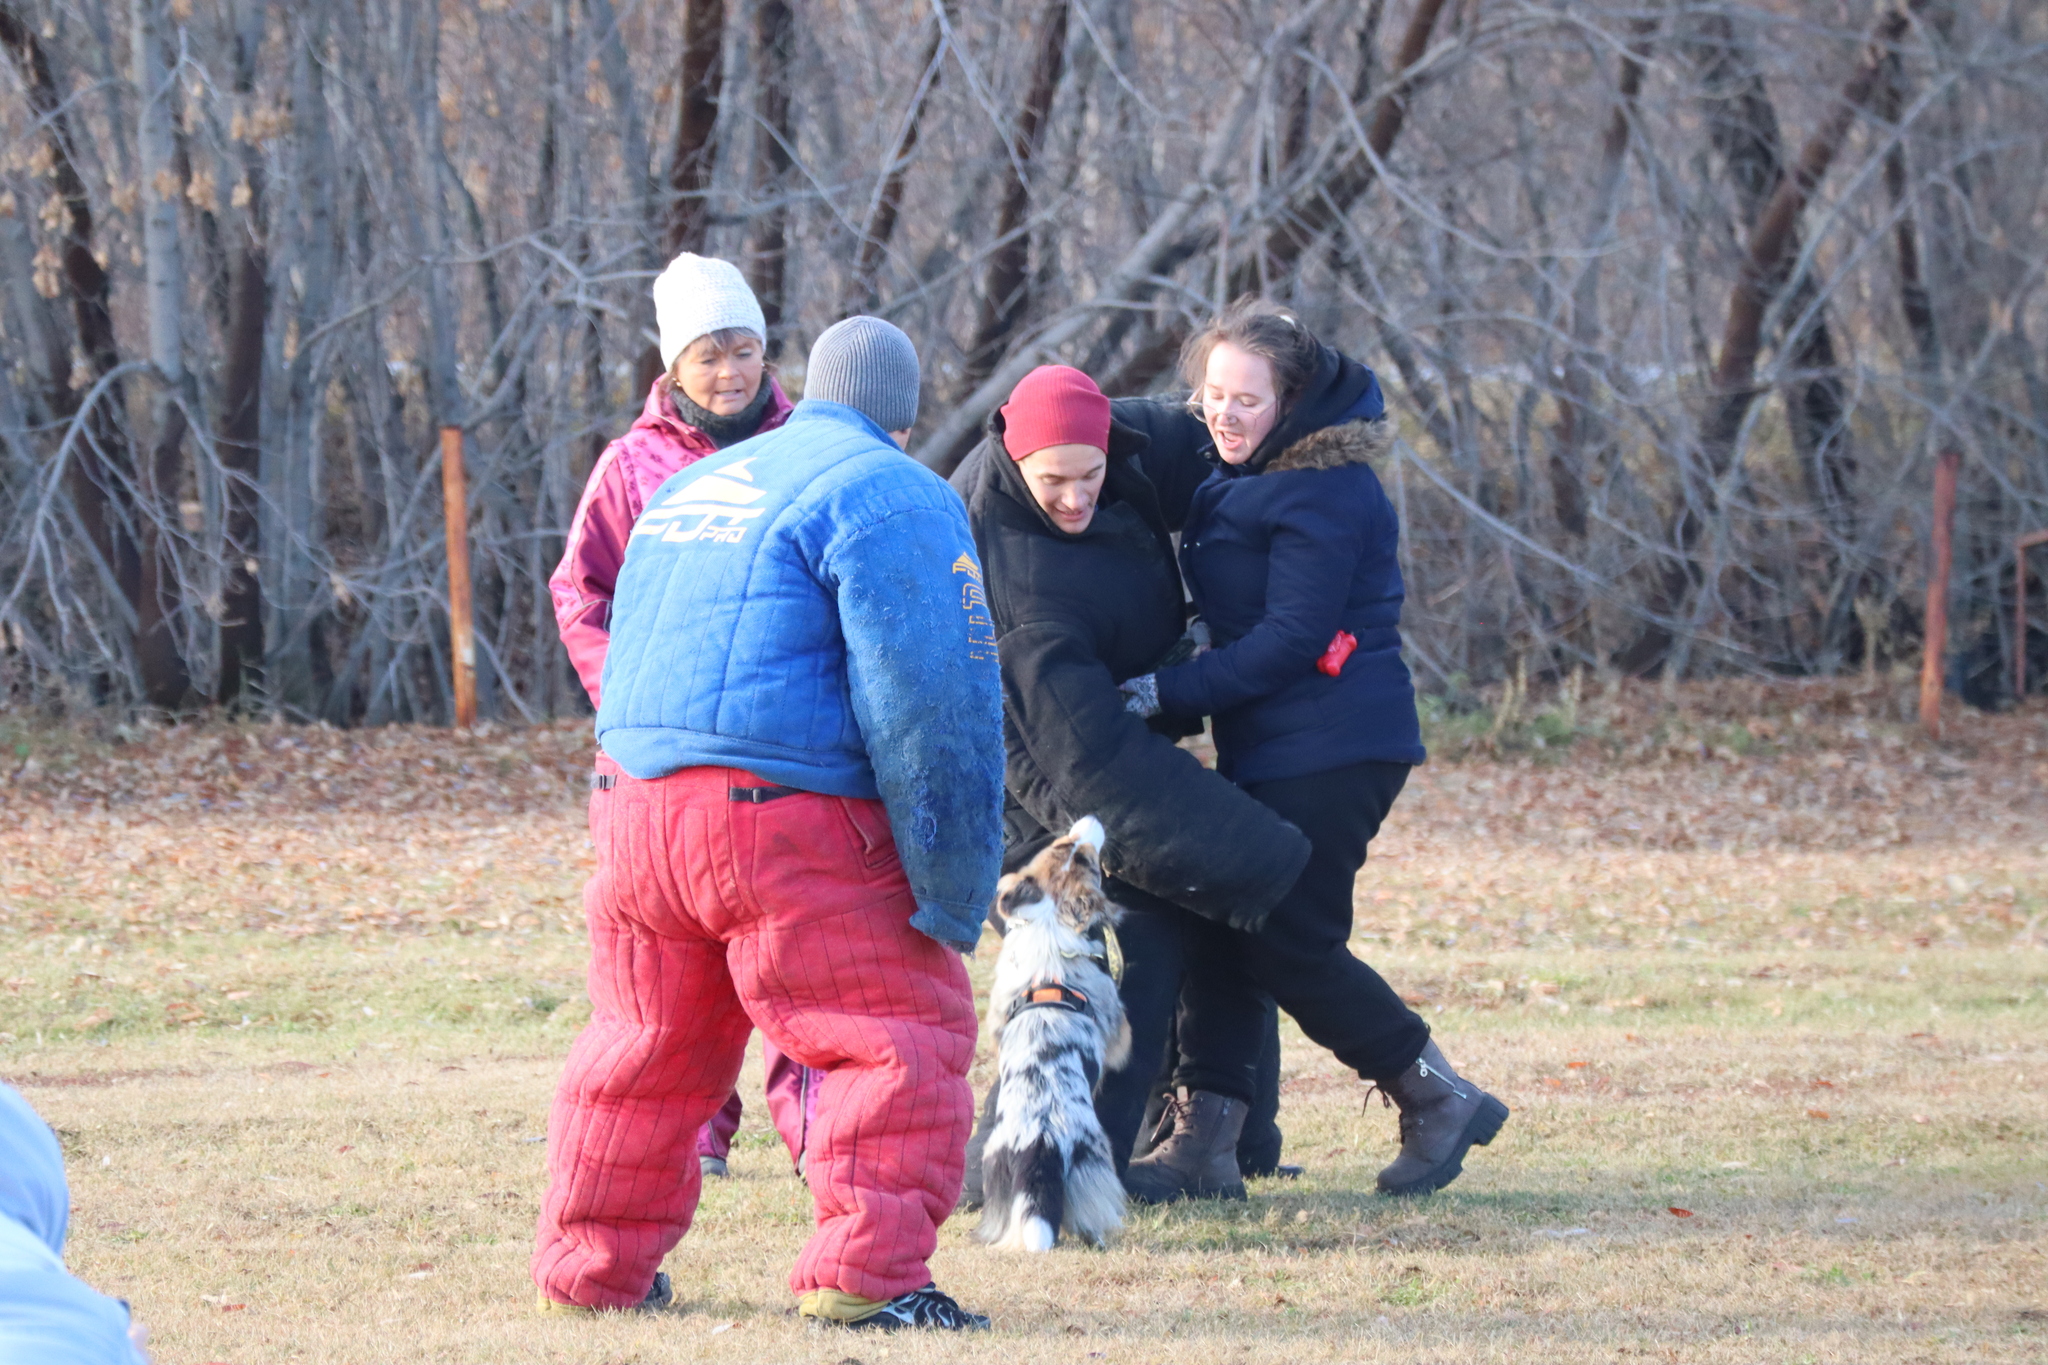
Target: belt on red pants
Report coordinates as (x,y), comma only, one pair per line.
(604,782)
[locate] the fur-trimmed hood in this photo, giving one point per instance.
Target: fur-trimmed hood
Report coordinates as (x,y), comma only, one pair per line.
(1314,432)
(1360,442)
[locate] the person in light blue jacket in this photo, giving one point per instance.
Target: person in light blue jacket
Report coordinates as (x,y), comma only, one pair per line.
(802,693)
(48,1316)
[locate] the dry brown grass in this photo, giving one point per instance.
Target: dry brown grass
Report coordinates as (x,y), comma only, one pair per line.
(298,1051)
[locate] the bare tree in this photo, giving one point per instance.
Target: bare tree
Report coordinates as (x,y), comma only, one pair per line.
(1005,289)
(1671,324)
(768,246)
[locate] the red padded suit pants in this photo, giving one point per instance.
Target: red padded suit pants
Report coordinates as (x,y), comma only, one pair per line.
(710,916)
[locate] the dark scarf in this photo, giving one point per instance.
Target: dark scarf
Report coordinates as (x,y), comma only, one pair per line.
(723,431)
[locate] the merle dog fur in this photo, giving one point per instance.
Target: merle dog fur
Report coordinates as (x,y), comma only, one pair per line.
(1047,1167)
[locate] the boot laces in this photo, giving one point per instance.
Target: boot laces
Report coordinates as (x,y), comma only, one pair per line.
(1406,1119)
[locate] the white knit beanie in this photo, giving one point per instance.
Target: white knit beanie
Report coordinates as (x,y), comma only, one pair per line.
(698,295)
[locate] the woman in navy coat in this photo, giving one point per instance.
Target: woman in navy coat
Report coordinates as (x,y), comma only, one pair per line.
(1290,553)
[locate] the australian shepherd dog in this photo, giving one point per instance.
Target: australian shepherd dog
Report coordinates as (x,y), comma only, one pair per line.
(1058,1024)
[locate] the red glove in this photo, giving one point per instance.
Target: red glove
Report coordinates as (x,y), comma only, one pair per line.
(1341,645)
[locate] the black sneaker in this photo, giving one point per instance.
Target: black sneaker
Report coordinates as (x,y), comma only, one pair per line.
(660,1295)
(929,1307)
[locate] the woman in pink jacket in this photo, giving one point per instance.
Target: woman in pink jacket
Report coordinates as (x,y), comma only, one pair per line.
(715,392)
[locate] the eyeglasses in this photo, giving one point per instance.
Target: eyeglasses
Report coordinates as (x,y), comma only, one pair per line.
(1225,405)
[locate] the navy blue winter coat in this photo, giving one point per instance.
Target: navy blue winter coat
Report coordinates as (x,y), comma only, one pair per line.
(1280,554)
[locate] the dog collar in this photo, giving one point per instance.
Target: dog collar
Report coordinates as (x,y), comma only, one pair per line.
(1053,995)
(1111,957)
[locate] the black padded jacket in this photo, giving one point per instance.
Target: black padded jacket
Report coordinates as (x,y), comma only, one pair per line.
(1077,614)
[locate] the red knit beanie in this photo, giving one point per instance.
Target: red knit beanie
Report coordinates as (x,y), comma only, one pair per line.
(1054,405)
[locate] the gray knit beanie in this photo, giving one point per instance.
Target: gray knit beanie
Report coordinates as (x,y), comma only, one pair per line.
(870,366)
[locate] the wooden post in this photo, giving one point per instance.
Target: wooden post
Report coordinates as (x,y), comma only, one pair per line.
(461,634)
(2020,546)
(1935,635)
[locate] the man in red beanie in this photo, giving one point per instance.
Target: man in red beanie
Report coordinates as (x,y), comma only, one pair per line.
(1056,427)
(1073,502)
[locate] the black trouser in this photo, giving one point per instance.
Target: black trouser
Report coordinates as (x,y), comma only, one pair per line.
(1300,955)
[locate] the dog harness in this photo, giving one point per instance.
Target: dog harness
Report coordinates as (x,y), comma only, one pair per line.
(1058,995)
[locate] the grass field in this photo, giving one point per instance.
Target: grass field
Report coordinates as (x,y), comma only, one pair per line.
(1762,978)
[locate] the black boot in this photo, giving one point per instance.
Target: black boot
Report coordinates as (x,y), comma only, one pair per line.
(1196,1157)
(1441,1118)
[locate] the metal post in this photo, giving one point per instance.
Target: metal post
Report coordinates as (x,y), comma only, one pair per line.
(461,634)
(2020,546)
(1935,636)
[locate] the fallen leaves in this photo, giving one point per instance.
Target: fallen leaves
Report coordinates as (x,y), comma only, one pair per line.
(218,827)
(1677,1212)
(212,827)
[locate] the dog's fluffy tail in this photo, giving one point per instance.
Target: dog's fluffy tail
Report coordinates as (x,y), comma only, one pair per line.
(1025,1194)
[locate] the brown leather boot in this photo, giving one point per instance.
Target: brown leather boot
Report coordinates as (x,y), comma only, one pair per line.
(1197,1159)
(1442,1117)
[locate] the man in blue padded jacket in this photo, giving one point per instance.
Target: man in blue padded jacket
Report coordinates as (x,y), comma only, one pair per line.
(802,691)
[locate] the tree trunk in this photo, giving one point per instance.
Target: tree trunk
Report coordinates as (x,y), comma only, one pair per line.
(768,250)
(1580,437)
(97,478)
(1772,243)
(1171,238)
(700,79)
(292,525)
(1775,239)
(1745,130)
(165,681)
(1915,304)
(1005,287)
(1321,206)
(616,68)
(241,415)
(1772,203)
(1317,208)
(880,227)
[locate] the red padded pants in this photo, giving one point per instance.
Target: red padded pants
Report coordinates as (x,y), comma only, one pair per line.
(708,917)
